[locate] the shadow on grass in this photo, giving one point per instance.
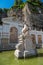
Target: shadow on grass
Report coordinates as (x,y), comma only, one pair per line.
(40,55)
(31,57)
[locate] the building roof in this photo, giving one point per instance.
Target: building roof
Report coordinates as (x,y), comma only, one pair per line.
(3,14)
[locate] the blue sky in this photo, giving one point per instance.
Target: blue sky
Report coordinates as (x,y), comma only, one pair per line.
(7,3)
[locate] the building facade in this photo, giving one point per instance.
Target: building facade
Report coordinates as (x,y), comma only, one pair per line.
(12,26)
(9,32)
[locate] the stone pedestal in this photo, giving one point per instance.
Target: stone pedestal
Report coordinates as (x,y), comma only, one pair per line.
(20,54)
(30,53)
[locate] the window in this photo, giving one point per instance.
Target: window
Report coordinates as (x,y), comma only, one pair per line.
(4,42)
(39,39)
(13,35)
(33,38)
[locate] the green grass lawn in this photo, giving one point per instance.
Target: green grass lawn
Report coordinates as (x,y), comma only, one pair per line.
(8,58)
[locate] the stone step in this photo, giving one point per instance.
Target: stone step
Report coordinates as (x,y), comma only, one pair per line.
(20,41)
(20,37)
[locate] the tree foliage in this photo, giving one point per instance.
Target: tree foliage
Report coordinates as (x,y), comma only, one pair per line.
(18,4)
(35,2)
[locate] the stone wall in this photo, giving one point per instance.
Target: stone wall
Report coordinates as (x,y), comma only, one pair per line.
(9,32)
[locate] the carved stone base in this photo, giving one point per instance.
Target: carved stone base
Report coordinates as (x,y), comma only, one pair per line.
(30,53)
(25,54)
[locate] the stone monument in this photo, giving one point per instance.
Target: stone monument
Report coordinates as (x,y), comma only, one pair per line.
(25,46)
